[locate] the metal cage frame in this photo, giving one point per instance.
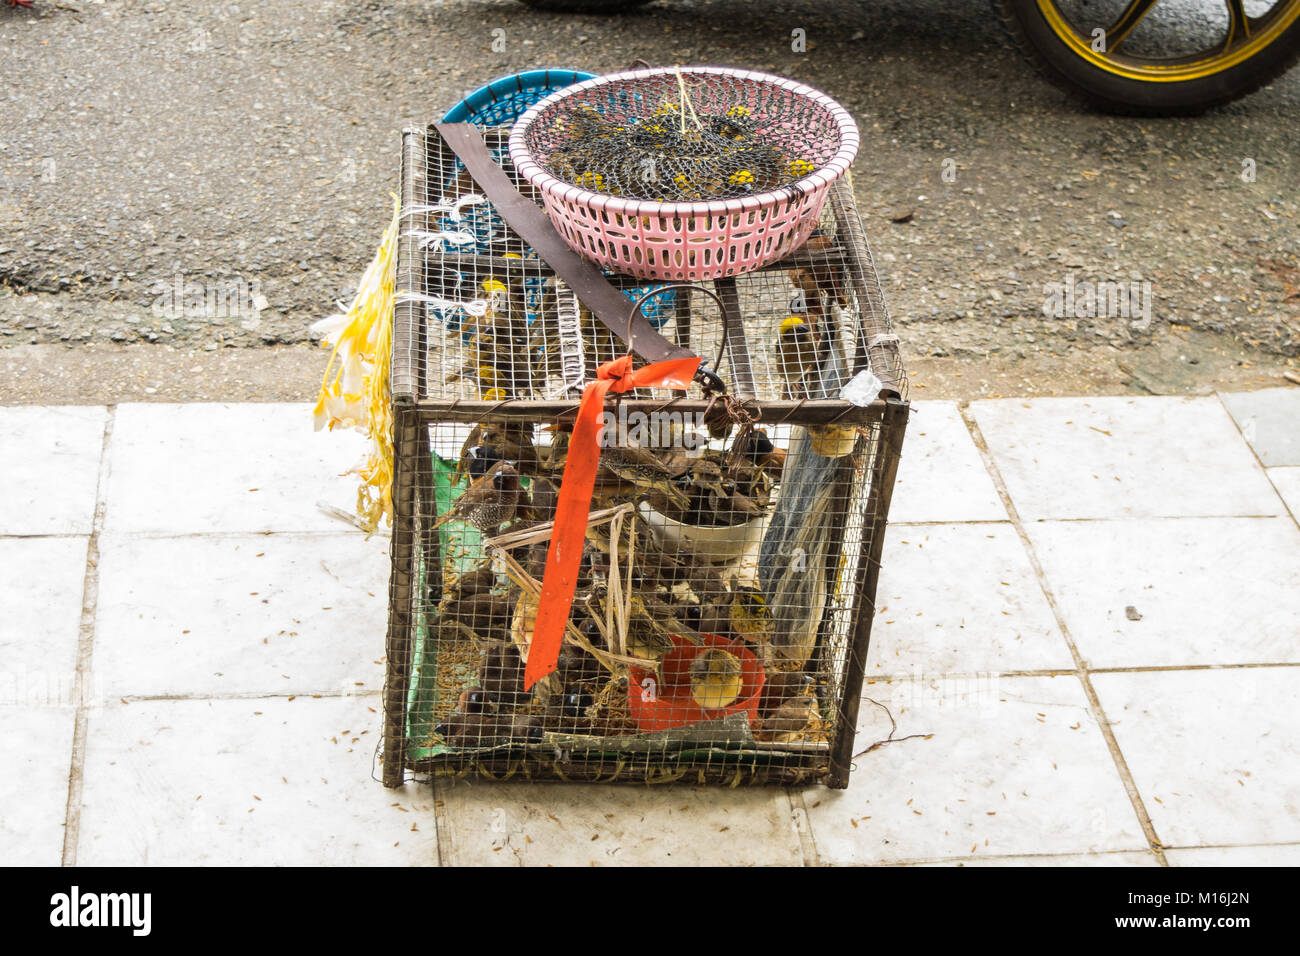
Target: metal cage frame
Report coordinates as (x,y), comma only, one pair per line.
(414,413)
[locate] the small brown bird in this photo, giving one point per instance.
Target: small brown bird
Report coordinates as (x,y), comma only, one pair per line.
(488,730)
(716,678)
(497,441)
(714,614)
(789,721)
(685,566)
(489,502)
(501,674)
(796,354)
(760,452)
(648,469)
(575,664)
(474,700)
(779,686)
(475,582)
(649,628)
(751,618)
(481,613)
(706,474)
(827,280)
(545,498)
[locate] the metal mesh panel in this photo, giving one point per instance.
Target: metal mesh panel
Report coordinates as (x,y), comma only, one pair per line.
(489,308)
(723,606)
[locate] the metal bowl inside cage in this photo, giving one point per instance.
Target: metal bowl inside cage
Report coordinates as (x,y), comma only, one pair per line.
(750,165)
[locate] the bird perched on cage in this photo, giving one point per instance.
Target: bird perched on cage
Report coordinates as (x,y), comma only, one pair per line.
(553,456)
(584,122)
(737,123)
(490,501)
(491,382)
(479,460)
(659,568)
(648,469)
(477,581)
(716,678)
(706,475)
(718,496)
(501,674)
(482,613)
(488,730)
(751,618)
(760,452)
(545,497)
(796,354)
(497,442)
(668,616)
(567,711)
(791,720)
(780,686)
(649,628)
(574,664)
(734,506)
(503,325)
(821,284)
(473,700)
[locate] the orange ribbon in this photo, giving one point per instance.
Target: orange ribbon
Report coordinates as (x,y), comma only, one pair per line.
(564,555)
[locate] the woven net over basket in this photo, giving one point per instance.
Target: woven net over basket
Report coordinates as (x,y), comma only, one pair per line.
(684,136)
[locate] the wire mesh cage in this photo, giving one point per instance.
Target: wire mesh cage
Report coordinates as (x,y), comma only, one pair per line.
(723,597)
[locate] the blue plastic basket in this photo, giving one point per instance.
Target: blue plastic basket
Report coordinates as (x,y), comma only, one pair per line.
(500,103)
(506,99)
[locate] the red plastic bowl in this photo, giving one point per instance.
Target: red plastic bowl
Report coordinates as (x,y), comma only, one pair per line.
(655,707)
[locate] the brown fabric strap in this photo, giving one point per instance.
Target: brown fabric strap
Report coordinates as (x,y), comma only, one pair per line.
(531,224)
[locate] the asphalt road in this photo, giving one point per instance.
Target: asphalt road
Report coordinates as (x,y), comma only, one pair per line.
(146,142)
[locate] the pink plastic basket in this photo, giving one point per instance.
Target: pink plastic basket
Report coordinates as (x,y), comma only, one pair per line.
(690,240)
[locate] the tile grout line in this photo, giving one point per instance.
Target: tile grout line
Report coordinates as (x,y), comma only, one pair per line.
(1295,516)
(251,696)
(1085,678)
(441,821)
(85,650)
(803,827)
(994,857)
(1286,505)
(1264,467)
(891,677)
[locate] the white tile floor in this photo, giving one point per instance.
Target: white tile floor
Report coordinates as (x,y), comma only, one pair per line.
(1203,590)
(1123,458)
(51,462)
(524,824)
(941,477)
(1016,765)
(961,599)
(232,647)
(1214,753)
(240,626)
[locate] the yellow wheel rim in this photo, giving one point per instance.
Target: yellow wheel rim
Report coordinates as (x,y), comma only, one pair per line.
(1246,36)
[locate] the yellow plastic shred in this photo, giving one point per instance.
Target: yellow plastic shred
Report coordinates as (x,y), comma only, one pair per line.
(355,389)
